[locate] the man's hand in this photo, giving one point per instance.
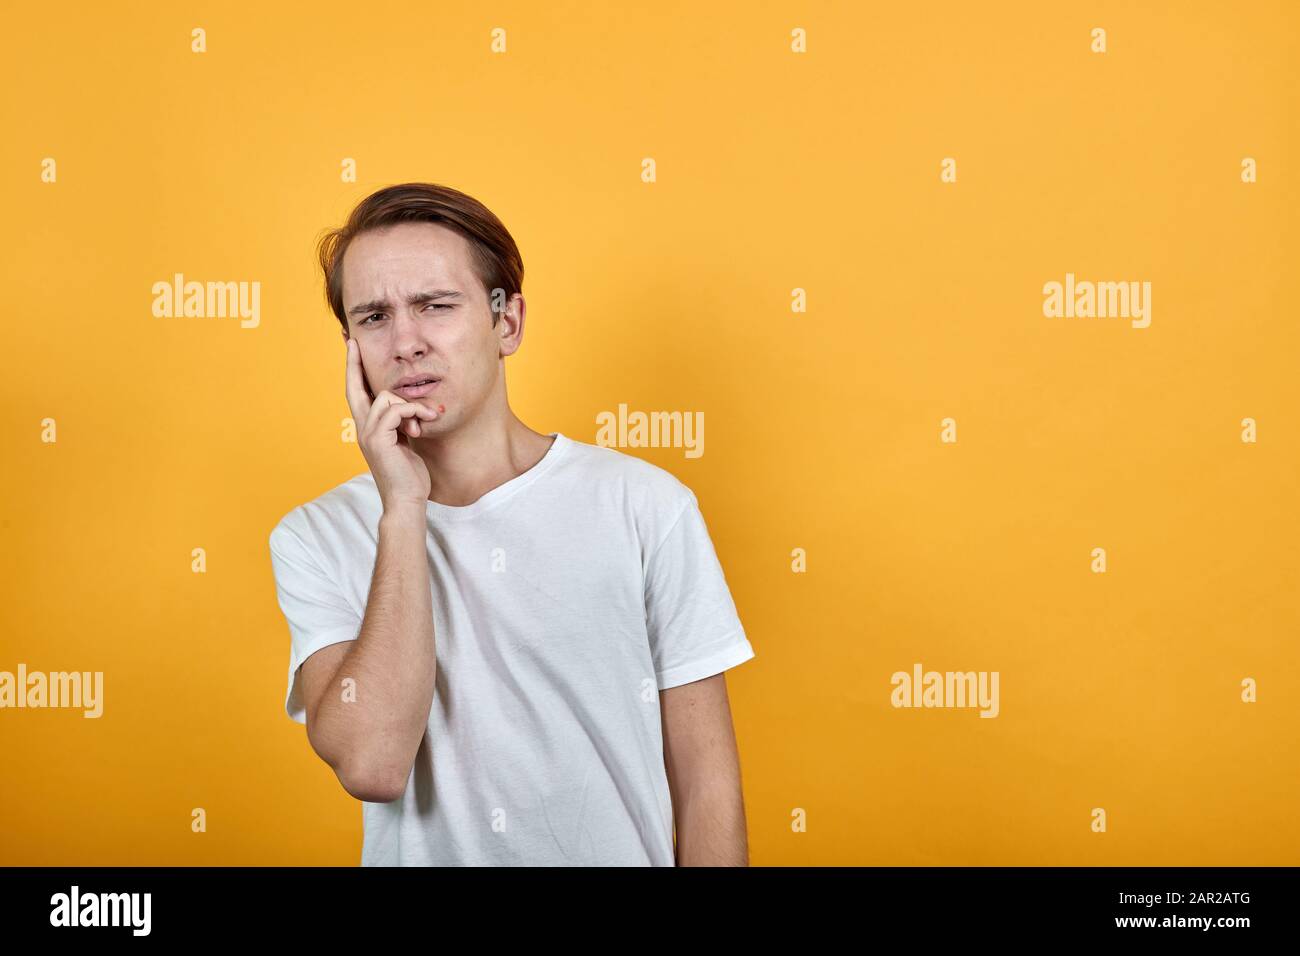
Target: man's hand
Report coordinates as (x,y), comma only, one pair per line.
(384,423)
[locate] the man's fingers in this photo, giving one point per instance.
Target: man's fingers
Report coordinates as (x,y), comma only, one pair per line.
(391,416)
(355,384)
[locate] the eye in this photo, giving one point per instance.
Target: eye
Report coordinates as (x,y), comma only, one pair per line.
(380,315)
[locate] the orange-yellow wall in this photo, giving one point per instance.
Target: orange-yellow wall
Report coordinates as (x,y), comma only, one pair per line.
(775,171)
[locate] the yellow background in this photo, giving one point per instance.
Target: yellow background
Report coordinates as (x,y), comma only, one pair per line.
(775,171)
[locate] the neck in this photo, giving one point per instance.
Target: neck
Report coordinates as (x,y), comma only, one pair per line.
(467,463)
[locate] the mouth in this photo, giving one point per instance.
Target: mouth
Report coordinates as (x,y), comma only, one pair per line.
(417,389)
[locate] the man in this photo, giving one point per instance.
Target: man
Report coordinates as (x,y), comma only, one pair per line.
(510,646)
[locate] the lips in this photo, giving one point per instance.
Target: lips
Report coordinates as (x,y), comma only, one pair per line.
(417,390)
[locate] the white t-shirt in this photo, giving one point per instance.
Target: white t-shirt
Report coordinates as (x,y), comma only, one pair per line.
(563,600)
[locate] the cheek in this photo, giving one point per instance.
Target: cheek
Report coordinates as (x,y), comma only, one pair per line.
(366,377)
(482,363)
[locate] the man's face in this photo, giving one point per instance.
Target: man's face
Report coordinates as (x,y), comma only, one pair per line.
(447,335)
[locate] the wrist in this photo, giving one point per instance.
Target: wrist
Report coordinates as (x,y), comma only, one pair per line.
(403,514)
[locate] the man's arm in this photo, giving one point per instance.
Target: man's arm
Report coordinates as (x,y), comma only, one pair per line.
(371,741)
(704,774)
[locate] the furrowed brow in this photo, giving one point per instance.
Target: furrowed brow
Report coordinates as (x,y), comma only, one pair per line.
(415,298)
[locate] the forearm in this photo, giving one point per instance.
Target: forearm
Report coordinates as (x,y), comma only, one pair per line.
(710,823)
(371,736)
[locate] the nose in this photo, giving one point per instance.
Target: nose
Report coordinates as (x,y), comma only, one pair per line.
(408,341)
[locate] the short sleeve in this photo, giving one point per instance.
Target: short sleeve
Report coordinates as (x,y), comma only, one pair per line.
(691,619)
(313,605)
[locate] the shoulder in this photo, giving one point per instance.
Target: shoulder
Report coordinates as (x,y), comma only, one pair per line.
(309,521)
(646,485)
(620,488)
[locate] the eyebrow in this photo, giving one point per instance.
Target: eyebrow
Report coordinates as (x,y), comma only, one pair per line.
(415,298)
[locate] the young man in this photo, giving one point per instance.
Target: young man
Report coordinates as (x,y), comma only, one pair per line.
(510,646)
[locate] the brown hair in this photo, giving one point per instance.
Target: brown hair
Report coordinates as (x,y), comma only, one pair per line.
(493,251)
